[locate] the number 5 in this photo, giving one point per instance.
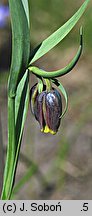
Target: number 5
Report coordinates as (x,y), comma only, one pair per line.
(85,206)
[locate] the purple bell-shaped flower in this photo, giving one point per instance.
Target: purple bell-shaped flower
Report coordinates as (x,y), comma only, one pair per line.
(47,108)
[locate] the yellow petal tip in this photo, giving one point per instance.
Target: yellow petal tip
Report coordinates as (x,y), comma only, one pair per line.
(48,130)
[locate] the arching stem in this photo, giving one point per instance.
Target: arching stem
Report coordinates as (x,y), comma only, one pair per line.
(62,71)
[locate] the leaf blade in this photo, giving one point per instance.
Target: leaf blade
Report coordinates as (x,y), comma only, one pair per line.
(20,42)
(58,35)
(62,71)
(7,185)
(20,108)
(21,104)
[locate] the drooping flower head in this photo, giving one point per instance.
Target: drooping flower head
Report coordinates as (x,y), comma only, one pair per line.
(47,108)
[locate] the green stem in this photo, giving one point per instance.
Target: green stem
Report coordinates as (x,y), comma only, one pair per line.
(1,155)
(48,84)
(8,178)
(63,71)
(40,84)
(58,73)
(30,172)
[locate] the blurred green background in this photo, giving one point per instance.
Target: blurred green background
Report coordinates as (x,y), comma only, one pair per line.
(61,165)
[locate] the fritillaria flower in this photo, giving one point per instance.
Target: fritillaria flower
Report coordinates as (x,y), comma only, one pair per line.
(47,108)
(46,101)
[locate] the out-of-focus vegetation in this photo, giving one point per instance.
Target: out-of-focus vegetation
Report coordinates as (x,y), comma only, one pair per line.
(49,15)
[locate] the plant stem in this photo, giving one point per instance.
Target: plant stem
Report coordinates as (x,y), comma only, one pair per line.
(63,71)
(30,172)
(1,156)
(8,177)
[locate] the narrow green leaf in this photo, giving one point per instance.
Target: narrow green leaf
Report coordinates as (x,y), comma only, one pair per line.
(58,35)
(63,91)
(21,108)
(1,155)
(26,8)
(7,183)
(16,125)
(21,105)
(20,42)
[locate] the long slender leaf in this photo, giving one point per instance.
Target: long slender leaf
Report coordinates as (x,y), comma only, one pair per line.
(20,106)
(20,42)
(7,183)
(17,106)
(26,8)
(58,35)
(1,155)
